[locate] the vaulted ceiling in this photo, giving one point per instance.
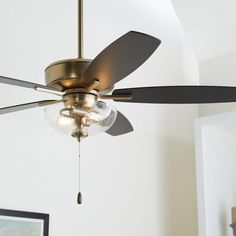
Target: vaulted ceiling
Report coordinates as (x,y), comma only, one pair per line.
(209,24)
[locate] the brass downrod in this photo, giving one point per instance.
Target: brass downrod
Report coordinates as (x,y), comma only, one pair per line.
(80,29)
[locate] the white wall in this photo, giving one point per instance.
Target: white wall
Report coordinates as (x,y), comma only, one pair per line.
(209,30)
(208,26)
(219,179)
(139,184)
(218,71)
(215,144)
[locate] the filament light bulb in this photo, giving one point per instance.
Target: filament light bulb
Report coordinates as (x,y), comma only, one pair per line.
(97,120)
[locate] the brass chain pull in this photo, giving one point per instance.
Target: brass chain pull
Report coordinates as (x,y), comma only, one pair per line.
(79,197)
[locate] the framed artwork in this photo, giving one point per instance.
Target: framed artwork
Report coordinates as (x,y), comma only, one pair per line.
(21,223)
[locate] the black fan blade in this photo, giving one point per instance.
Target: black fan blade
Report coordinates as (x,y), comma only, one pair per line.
(120,59)
(120,126)
(178,94)
(26,106)
(26,84)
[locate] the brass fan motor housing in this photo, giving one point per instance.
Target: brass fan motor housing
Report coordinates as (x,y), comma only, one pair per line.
(85,101)
(66,74)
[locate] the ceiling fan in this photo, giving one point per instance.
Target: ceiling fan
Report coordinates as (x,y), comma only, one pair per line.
(82,84)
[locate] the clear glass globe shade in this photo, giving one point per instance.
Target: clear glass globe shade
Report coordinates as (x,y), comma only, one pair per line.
(97,120)
(104,117)
(59,123)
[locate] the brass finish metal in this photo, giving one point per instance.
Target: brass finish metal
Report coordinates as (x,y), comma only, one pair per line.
(46,103)
(117,97)
(21,107)
(92,86)
(66,112)
(67,74)
(79,198)
(45,90)
(80,29)
(84,101)
(80,90)
(79,134)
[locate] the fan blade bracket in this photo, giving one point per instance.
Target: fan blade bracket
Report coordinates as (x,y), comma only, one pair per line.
(26,106)
(49,90)
(118,97)
(49,102)
(26,84)
(92,85)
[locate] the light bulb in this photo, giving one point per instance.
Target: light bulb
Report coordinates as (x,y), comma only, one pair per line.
(60,123)
(68,121)
(64,121)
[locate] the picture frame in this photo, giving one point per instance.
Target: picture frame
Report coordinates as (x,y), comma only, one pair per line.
(20,223)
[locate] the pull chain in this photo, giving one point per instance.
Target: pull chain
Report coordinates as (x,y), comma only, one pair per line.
(79,197)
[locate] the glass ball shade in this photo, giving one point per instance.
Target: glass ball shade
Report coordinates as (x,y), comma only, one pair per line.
(96,120)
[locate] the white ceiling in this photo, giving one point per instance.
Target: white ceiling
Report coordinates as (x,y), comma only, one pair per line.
(209,24)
